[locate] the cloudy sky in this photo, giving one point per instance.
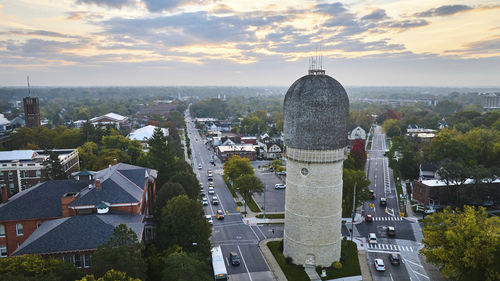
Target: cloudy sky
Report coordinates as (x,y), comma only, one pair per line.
(249,42)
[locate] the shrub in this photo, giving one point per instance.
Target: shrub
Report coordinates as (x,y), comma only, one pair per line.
(337,265)
(289,260)
(280,247)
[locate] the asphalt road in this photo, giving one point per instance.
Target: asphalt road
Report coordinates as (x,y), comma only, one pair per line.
(230,233)
(404,242)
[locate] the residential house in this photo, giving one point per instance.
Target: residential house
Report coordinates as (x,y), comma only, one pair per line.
(355,132)
(428,171)
(22,169)
(71,218)
(272,151)
(5,125)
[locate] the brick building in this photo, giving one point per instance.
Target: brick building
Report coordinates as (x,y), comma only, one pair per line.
(435,193)
(22,169)
(32,112)
(71,218)
(225,152)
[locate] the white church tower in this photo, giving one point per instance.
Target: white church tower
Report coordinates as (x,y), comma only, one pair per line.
(316,112)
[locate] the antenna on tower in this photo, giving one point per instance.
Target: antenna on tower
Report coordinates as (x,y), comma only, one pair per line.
(316,64)
(29,92)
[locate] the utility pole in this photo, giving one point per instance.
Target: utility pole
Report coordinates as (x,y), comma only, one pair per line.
(265,201)
(353,211)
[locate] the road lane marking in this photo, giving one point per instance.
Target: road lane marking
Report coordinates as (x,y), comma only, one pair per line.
(265,237)
(244,263)
(414,263)
(227,261)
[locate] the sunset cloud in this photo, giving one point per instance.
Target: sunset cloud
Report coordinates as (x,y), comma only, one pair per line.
(249,34)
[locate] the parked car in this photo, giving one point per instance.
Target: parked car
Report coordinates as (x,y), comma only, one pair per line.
(369,218)
(204,201)
(201,186)
(220,215)
(279,186)
(379,265)
(394,259)
(234,258)
(211,161)
(372,238)
(211,191)
(391,231)
(199,167)
(383,202)
(282,173)
(209,219)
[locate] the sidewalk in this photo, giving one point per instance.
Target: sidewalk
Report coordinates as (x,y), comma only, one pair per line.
(270,260)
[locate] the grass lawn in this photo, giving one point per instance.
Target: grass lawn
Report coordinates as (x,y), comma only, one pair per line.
(271,216)
(252,205)
(350,264)
(292,272)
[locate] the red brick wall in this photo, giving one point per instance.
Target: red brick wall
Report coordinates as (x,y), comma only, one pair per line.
(421,192)
(11,239)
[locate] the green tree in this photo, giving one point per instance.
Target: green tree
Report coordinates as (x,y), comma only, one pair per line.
(167,191)
(121,252)
(350,177)
(53,168)
(36,268)
(176,117)
(237,166)
(183,223)
(247,185)
(275,164)
(465,245)
(159,156)
(189,183)
(391,127)
(181,266)
(111,275)
(87,153)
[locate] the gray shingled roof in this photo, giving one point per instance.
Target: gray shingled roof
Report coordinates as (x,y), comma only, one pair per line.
(77,233)
(40,201)
(316,112)
(121,183)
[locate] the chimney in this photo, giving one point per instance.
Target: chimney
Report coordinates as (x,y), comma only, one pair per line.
(115,161)
(98,184)
(5,193)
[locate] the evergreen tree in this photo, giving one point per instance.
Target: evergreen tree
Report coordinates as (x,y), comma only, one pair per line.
(53,168)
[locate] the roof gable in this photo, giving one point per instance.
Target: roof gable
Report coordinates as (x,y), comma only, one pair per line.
(77,233)
(40,201)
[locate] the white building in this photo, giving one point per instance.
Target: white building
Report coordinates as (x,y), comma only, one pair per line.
(145,133)
(114,119)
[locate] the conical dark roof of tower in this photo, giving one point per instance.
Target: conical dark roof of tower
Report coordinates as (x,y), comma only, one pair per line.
(316,114)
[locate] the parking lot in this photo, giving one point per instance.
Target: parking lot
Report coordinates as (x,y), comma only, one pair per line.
(275,198)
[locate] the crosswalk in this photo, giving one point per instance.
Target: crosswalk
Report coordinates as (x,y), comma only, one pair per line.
(390,247)
(387,218)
